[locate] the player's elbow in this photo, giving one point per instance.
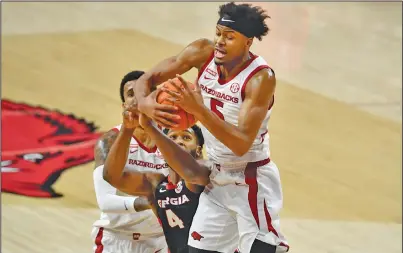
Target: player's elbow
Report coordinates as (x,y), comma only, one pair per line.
(199,177)
(103,206)
(242,148)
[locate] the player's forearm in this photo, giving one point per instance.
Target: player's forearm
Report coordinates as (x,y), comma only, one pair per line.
(116,159)
(143,86)
(120,204)
(225,132)
(141,204)
(109,203)
(178,159)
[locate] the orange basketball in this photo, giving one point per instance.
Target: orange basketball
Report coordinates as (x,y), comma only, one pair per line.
(187,120)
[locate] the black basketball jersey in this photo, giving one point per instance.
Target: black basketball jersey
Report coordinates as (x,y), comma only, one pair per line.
(176,205)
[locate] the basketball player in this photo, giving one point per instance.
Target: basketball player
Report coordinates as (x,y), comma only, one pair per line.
(233,100)
(175,198)
(127,224)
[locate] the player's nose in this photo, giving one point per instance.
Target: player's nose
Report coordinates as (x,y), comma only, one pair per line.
(180,143)
(220,41)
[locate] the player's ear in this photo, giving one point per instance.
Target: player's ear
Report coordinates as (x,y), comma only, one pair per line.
(199,152)
(249,42)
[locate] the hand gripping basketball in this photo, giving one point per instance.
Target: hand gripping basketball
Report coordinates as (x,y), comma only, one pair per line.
(177,92)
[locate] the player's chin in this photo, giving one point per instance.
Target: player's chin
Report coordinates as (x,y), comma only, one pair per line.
(219,61)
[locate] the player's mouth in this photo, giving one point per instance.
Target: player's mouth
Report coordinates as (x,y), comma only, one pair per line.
(219,53)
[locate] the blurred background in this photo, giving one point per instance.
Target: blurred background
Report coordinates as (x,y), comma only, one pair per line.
(335,129)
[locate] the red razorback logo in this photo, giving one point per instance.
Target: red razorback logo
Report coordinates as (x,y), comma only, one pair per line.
(38,145)
(196,236)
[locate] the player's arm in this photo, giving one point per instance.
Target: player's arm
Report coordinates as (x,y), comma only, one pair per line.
(258,96)
(111,152)
(193,56)
(182,162)
(109,202)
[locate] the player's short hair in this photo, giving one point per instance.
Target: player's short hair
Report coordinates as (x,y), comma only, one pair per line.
(251,18)
(197,131)
(131,76)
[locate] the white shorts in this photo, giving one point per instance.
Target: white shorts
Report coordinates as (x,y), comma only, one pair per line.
(237,207)
(109,242)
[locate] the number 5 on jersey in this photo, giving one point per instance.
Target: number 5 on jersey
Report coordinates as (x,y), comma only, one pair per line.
(173,220)
(214,103)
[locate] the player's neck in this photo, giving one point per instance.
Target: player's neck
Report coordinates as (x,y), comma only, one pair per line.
(143,137)
(229,69)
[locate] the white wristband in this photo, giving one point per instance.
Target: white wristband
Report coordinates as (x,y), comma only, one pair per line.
(129,203)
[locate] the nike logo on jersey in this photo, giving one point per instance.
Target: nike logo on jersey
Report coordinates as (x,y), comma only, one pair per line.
(227,20)
(125,206)
(208,78)
(162,190)
(133,148)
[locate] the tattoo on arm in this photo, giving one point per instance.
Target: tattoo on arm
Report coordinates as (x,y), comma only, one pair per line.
(103,146)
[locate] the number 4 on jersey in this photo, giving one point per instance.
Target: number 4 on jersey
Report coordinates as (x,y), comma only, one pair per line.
(173,220)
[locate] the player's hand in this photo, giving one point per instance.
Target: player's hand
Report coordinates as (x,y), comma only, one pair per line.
(187,98)
(145,121)
(130,117)
(163,115)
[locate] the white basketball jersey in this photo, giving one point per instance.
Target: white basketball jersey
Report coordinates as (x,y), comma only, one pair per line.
(145,222)
(225,98)
(140,158)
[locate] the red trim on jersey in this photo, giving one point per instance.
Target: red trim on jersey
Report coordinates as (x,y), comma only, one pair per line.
(149,150)
(270,225)
(268,219)
(251,180)
(285,245)
(210,58)
(98,241)
(257,69)
(247,63)
(170,185)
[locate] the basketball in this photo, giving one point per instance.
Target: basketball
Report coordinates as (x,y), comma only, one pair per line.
(187,120)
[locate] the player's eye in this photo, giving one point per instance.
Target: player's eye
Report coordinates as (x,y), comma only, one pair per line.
(173,137)
(187,138)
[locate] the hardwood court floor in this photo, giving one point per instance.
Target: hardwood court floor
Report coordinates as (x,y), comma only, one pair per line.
(340,167)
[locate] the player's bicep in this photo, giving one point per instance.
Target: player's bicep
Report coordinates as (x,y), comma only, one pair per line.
(103,146)
(132,183)
(258,96)
(192,56)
